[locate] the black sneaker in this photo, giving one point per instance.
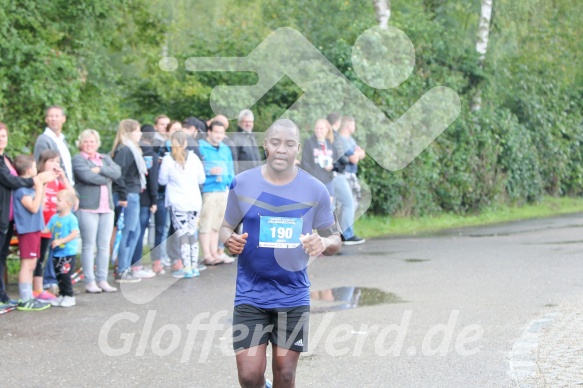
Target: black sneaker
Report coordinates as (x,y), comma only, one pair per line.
(4,299)
(354,240)
(32,305)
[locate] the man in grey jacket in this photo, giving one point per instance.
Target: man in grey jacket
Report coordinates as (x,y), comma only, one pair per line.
(246,153)
(52,138)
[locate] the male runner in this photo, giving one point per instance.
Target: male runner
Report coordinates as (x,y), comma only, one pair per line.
(279,206)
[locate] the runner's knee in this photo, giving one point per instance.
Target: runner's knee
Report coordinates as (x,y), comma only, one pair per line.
(284,376)
(249,377)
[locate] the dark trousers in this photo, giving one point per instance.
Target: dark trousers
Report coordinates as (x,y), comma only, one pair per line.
(5,238)
(144,220)
(160,222)
(64,268)
(44,247)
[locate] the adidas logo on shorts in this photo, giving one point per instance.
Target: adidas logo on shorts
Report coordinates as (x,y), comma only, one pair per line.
(299,343)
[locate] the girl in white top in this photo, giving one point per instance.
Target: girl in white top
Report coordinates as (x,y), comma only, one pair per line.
(182,173)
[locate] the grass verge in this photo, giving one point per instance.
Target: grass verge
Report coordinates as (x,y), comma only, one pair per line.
(376,226)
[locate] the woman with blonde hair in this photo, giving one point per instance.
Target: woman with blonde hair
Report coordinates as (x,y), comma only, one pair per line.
(182,172)
(94,173)
(127,154)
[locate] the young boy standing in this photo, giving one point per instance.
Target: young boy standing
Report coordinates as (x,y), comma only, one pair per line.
(29,222)
(64,228)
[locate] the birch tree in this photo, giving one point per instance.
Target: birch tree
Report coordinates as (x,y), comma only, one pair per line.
(482,45)
(382,10)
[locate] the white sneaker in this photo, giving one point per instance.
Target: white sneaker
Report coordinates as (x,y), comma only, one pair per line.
(105,287)
(57,302)
(142,273)
(68,301)
(226,258)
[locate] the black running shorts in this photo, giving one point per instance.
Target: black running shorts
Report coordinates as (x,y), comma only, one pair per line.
(284,327)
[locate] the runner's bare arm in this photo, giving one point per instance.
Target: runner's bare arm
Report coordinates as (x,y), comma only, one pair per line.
(233,242)
(315,244)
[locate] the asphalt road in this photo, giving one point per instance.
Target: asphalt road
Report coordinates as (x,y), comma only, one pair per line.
(497,306)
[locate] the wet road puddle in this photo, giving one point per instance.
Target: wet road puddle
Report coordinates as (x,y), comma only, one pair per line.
(346,298)
(380,253)
(415,260)
(555,242)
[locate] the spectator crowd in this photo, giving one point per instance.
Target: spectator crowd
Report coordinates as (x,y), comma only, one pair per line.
(172,174)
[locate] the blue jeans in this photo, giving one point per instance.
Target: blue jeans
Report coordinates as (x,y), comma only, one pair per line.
(144,220)
(49,275)
(130,232)
(343,194)
(160,220)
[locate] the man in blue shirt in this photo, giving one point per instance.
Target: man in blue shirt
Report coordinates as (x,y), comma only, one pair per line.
(218,165)
(279,207)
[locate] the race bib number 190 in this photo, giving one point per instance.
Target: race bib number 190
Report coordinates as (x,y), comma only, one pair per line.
(280,232)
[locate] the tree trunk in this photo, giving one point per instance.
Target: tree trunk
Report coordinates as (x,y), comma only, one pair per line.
(484,29)
(382,10)
(482,45)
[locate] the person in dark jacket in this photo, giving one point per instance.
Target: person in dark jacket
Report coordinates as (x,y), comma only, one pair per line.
(196,129)
(148,202)
(246,153)
(161,220)
(10,181)
(126,192)
(319,155)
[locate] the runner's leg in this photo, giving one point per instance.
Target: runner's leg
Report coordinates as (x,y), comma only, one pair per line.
(251,365)
(284,365)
